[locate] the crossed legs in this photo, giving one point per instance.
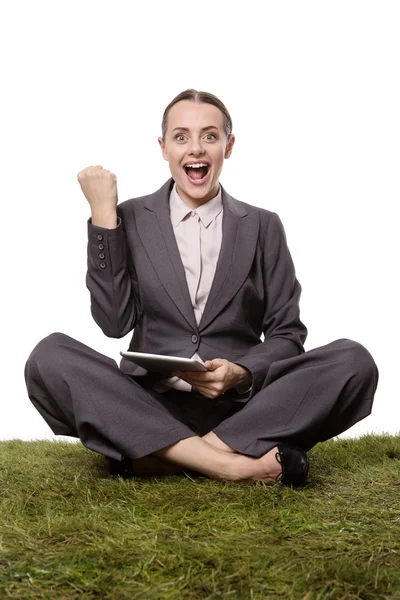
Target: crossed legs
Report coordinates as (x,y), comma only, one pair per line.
(305,399)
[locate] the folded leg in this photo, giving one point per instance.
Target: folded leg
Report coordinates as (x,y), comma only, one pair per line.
(82,393)
(305,399)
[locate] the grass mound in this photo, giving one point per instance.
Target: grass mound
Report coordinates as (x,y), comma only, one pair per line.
(68,531)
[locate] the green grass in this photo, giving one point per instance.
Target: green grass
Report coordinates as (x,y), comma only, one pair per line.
(70,531)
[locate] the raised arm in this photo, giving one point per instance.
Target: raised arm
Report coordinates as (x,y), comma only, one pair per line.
(111,277)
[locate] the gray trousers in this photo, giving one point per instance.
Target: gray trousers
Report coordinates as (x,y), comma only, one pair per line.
(304,400)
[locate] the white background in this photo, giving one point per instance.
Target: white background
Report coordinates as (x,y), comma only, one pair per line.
(313,90)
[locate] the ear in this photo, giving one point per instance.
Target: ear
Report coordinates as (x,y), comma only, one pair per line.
(229,146)
(162,146)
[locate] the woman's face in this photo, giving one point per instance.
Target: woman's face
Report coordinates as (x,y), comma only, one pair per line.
(195,135)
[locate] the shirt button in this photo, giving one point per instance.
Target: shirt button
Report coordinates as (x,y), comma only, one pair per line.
(101,246)
(100,237)
(194,338)
(193,213)
(103,265)
(102,255)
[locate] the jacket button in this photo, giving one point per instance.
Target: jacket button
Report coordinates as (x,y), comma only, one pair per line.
(194,338)
(102,255)
(101,246)
(100,237)
(103,265)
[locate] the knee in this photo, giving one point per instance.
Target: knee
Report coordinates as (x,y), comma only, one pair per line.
(359,360)
(46,351)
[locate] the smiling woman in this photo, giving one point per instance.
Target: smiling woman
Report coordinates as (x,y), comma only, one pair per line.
(196,138)
(196,273)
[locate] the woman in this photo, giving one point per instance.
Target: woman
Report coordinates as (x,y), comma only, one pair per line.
(195,272)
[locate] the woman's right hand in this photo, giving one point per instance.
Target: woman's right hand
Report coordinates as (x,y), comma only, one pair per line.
(100,189)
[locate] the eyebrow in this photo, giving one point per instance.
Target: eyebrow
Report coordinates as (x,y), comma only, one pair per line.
(202,129)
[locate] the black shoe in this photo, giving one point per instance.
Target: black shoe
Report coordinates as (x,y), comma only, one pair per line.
(120,467)
(294,463)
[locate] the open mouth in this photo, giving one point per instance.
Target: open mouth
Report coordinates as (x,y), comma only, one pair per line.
(197,172)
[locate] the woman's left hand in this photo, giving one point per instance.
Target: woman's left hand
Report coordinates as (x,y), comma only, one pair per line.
(221,376)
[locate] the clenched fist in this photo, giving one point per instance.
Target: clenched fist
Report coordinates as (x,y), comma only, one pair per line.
(100,189)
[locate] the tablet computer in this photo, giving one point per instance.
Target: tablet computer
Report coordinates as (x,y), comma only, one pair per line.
(162,363)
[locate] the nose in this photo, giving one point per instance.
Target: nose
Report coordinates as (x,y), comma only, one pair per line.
(196,147)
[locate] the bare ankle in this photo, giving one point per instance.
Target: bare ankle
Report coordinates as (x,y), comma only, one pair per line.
(266,468)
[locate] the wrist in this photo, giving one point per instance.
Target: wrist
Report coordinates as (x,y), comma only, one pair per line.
(102,219)
(245,376)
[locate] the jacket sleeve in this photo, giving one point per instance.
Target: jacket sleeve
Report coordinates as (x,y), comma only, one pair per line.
(111,280)
(284,333)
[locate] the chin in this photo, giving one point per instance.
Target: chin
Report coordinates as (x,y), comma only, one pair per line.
(198,192)
(195,191)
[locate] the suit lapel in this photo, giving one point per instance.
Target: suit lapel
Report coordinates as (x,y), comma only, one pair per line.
(158,238)
(239,240)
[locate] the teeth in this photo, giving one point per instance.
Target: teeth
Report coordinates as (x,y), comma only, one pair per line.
(196,165)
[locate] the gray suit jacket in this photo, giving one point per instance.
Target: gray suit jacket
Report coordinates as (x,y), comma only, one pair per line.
(137,281)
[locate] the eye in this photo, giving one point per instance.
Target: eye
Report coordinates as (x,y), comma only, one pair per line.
(211,136)
(179,135)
